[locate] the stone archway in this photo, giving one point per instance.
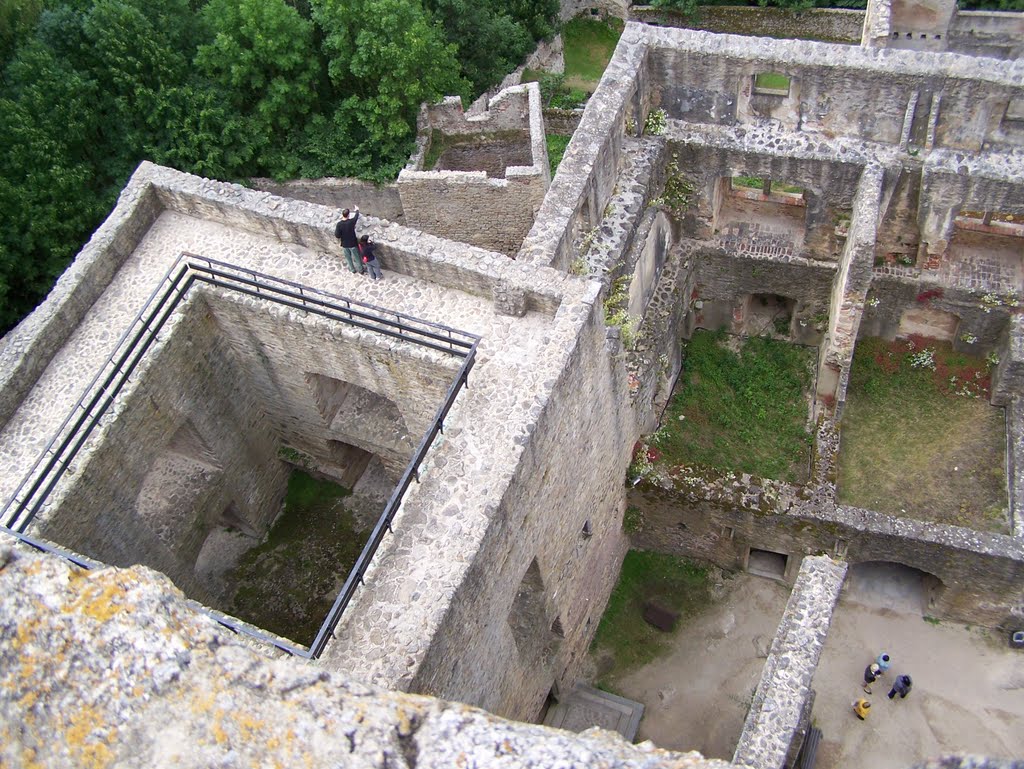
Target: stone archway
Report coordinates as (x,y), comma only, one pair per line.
(893,586)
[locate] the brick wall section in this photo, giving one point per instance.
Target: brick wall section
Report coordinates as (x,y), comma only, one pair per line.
(777,710)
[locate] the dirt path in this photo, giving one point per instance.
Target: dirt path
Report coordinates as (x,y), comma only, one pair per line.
(697,696)
(968,693)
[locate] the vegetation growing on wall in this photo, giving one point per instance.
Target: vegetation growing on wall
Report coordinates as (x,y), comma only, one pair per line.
(221,88)
(557,144)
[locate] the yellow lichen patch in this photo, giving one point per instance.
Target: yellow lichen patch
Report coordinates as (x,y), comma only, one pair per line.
(100,599)
(404,722)
(219,734)
(202,703)
(83,736)
(251,727)
(28,759)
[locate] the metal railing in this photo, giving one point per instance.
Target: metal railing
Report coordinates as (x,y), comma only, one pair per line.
(55,459)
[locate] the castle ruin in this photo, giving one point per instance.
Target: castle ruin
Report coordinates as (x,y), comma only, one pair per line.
(208,339)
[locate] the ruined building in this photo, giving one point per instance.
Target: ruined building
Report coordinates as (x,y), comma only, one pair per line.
(208,339)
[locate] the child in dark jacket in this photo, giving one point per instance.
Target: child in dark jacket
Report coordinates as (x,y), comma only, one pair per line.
(370,258)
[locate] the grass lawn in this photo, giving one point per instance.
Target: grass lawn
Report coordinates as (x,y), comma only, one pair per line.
(744,411)
(672,583)
(913,445)
(556,149)
(772,81)
(589,44)
(288,583)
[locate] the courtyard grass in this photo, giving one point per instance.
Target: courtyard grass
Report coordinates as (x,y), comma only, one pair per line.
(744,411)
(923,442)
(624,641)
(557,144)
(589,44)
(287,584)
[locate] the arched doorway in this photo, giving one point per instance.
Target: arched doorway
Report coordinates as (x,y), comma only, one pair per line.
(893,586)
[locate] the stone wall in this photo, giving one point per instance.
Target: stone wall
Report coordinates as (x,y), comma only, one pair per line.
(776,720)
(378,200)
(719,517)
(557,532)
(190,441)
(27,349)
(987,33)
(832,25)
(198,432)
(309,372)
(586,180)
(400,249)
(703,77)
(937,25)
(469,205)
(117,670)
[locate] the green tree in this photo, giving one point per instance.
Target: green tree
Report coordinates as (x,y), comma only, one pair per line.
(17,22)
(49,194)
(490,42)
(262,60)
(385,58)
(538,16)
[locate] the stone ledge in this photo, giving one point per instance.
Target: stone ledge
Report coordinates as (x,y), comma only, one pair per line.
(111,668)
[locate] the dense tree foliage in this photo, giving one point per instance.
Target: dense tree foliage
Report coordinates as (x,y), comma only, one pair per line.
(222,88)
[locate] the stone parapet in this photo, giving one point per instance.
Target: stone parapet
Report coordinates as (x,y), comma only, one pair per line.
(118,671)
(778,707)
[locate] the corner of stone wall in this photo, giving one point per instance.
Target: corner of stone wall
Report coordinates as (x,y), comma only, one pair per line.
(780,700)
(191,693)
(877,24)
(28,349)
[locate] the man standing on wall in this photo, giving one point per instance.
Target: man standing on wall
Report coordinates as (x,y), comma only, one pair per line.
(345,231)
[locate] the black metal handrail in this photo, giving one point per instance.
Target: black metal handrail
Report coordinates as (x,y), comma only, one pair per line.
(84,416)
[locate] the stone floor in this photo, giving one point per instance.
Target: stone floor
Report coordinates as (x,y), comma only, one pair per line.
(464,473)
(968,692)
(979,263)
(696,695)
(73,367)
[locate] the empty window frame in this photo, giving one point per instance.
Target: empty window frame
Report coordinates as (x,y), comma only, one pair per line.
(772,84)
